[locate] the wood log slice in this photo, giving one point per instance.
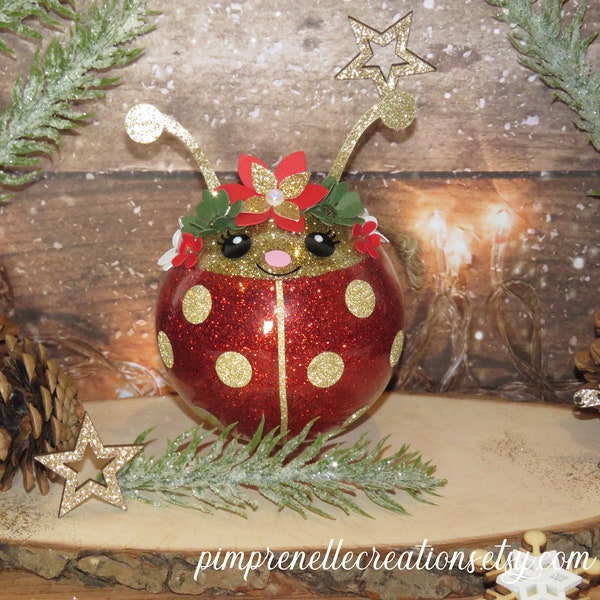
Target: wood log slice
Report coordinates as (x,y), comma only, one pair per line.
(511,467)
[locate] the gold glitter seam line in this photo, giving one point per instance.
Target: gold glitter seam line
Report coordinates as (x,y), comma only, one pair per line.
(280,302)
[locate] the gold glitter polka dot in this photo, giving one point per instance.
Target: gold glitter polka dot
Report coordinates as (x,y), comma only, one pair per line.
(325,369)
(397,346)
(197,304)
(165,350)
(360,299)
(234,369)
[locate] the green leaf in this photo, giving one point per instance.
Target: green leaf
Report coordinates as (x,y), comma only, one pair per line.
(213,215)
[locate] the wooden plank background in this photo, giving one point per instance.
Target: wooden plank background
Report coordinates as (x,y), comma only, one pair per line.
(79,248)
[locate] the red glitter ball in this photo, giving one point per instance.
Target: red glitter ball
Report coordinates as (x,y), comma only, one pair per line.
(288,349)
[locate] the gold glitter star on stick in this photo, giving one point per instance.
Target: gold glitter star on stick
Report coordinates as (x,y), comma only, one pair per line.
(396,110)
(409,64)
(114,458)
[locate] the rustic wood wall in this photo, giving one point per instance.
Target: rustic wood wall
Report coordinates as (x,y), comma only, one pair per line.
(79,248)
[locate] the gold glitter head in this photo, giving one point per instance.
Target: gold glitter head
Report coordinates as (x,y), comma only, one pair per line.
(267,251)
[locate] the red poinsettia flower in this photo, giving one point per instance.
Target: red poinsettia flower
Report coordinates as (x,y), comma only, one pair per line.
(187,253)
(280,195)
(367,241)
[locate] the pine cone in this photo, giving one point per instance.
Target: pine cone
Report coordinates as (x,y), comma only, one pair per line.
(588,361)
(7,327)
(39,410)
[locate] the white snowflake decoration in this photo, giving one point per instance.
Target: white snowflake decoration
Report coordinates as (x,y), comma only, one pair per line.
(537,577)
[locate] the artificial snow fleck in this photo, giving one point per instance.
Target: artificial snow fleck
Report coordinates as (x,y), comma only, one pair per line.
(532,120)
(578,262)
(428,3)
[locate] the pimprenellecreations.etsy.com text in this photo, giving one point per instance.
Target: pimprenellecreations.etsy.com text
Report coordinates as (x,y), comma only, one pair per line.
(421,557)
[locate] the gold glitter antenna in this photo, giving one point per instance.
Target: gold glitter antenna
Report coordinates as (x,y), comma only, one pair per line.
(145,123)
(396,110)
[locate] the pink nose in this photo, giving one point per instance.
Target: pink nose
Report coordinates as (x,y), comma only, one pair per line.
(277,258)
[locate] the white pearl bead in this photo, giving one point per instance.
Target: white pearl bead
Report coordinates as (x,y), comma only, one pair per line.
(275,197)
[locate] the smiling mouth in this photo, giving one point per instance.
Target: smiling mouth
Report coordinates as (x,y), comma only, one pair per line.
(279,274)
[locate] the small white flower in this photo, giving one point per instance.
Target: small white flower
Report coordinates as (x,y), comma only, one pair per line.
(367,217)
(166,260)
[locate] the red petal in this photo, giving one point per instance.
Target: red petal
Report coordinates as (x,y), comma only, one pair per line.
(372,252)
(237,191)
(312,194)
(198,243)
(191,260)
(245,163)
(374,240)
(179,260)
(187,239)
(361,246)
(290,165)
(289,224)
(249,219)
(369,227)
(356,230)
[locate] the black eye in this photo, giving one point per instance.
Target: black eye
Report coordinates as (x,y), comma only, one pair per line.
(235,245)
(321,244)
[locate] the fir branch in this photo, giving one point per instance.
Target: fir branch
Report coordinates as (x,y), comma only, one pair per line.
(556,51)
(295,475)
(69,73)
(14,13)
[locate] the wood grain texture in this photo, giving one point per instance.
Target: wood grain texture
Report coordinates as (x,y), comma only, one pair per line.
(81,256)
(79,249)
(256,76)
(510,468)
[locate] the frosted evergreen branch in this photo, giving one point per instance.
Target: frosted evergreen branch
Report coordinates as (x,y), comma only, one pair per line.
(69,73)
(555,50)
(302,476)
(14,13)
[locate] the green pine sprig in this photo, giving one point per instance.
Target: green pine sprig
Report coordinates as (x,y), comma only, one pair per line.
(295,474)
(555,50)
(15,13)
(68,73)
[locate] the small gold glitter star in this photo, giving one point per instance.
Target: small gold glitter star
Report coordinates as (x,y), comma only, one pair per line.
(113,458)
(410,63)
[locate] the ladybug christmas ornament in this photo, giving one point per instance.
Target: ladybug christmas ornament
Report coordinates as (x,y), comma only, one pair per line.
(279,300)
